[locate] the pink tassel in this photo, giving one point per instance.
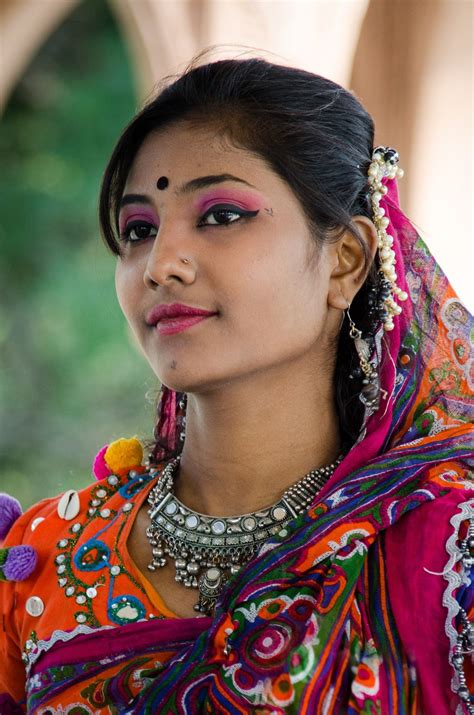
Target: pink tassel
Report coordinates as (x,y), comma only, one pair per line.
(166,428)
(100,469)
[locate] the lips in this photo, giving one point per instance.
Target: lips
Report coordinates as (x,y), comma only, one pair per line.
(177,311)
(174,318)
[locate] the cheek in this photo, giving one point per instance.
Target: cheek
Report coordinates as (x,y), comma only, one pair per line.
(281,280)
(281,303)
(126,288)
(120,286)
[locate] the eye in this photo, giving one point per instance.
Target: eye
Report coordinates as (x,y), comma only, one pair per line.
(138,231)
(224,215)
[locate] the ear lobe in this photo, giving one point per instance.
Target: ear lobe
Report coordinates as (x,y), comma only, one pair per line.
(351,267)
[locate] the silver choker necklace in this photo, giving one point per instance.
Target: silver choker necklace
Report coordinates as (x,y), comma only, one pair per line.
(208,550)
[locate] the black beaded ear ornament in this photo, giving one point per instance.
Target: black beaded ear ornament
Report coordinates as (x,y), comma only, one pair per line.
(381,304)
(162,183)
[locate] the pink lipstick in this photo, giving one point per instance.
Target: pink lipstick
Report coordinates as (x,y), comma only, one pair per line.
(176,317)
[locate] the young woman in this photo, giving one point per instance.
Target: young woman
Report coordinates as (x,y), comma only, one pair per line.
(300,537)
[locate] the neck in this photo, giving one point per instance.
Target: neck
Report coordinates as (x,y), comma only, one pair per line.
(248,441)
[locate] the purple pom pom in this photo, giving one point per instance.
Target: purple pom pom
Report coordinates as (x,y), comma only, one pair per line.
(10,510)
(20,563)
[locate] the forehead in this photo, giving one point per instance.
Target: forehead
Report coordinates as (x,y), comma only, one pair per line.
(182,151)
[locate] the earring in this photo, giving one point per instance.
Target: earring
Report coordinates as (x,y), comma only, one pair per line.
(370,392)
(181,417)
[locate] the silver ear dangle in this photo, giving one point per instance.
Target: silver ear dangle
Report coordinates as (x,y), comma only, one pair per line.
(181,417)
(370,392)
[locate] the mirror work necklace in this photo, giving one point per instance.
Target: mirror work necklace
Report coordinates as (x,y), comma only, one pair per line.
(208,550)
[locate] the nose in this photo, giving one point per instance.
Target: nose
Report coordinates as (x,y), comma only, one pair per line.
(167,262)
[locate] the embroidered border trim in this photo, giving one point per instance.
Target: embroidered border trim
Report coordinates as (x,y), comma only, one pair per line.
(34,648)
(461,552)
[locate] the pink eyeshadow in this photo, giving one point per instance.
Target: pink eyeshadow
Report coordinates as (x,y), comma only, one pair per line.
(133,215)
(242,199)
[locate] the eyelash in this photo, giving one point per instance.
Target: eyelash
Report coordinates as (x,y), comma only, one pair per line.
(218,209)
(125,234)
(225,209)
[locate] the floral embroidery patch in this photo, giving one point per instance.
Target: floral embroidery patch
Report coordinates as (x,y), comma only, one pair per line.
(86,565)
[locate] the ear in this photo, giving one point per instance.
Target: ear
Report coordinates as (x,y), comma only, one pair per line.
(347,256)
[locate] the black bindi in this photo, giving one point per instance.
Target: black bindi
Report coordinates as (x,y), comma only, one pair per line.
(162,183)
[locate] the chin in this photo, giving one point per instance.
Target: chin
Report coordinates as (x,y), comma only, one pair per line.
(189,383)
(175,380)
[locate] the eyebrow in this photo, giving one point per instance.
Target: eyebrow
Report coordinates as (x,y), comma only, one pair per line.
(134,199)
(201,182)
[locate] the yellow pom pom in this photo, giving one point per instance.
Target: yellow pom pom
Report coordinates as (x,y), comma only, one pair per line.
(123,455)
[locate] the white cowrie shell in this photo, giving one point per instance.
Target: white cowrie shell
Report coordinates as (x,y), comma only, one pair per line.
(35,522)
(69,505)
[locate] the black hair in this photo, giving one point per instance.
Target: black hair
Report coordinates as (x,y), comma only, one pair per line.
(312,132)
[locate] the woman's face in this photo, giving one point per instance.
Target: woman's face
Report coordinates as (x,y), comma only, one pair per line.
(247,254)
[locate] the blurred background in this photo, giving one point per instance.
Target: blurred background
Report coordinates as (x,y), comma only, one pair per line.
(72,73)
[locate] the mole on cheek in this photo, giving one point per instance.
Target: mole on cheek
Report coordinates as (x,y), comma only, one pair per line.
(162,183)
(174,365)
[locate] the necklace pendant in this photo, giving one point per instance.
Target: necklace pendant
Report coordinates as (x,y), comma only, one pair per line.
(209,550)
(210,586)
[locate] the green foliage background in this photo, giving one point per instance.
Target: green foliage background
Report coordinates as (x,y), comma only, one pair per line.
(70,377)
